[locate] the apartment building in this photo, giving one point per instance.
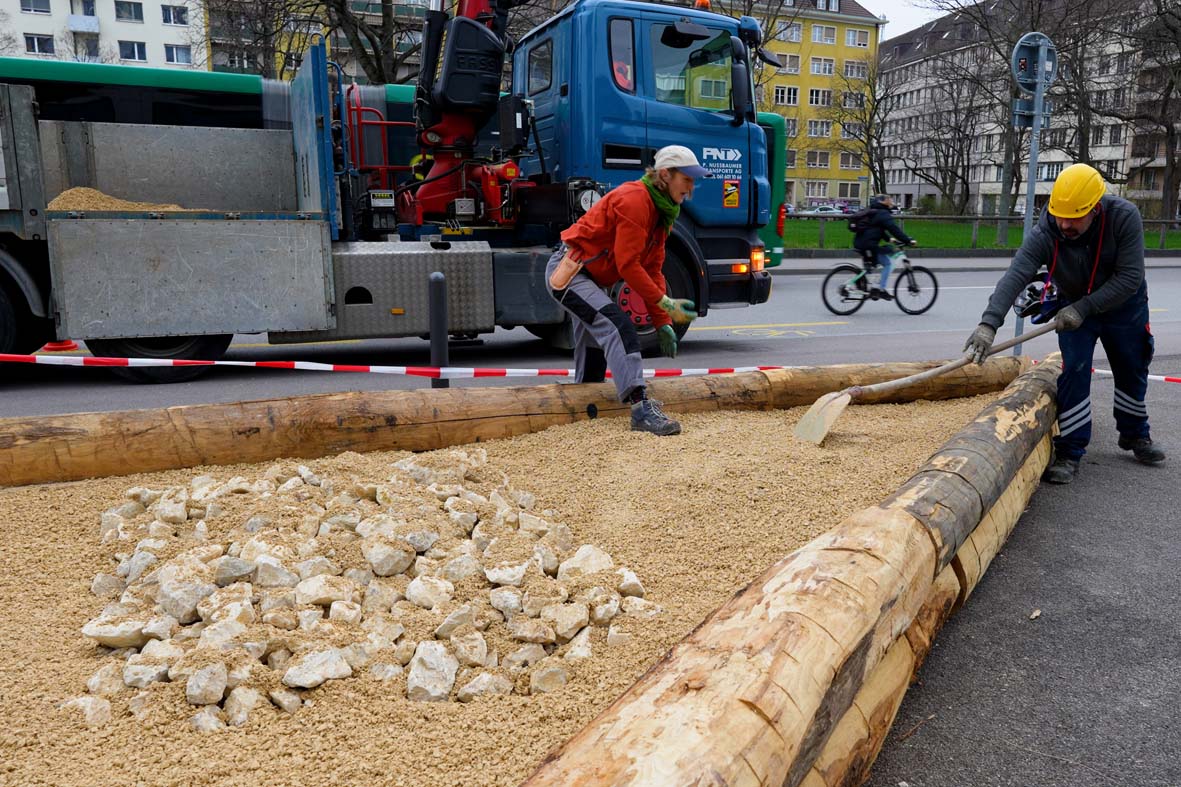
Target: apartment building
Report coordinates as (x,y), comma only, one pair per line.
(825,48)
(168,34)
(943,130)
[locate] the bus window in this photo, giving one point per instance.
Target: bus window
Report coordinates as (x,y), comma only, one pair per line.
(623,59)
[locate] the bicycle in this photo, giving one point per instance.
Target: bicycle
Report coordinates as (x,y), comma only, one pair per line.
(846,288)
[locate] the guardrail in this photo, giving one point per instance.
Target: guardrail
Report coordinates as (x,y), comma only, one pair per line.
(948,232)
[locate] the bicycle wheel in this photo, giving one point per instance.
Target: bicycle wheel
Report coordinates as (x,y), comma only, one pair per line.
(844,289)
(915,289)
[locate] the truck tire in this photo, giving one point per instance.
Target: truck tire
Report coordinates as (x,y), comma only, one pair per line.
(559,336)
(8,337)
(20,332)
(205,348)
(680,285)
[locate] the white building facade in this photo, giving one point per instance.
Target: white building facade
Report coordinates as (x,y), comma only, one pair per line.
(159,33)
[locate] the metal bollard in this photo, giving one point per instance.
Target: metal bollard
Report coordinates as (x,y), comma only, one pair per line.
(437,298)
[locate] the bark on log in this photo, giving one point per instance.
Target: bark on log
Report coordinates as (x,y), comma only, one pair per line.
(754,694)
(87,445)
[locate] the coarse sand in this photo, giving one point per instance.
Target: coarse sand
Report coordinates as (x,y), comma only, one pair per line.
(696,517)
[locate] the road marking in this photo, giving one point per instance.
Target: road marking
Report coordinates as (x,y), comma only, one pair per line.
(767,325)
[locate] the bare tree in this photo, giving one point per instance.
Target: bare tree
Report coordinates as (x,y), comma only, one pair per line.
(9,43)
(863,105)
(267,37)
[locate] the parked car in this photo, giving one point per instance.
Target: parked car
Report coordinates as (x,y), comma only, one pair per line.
(822,211)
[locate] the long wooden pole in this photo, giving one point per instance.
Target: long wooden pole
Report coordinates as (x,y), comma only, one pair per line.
(88,445)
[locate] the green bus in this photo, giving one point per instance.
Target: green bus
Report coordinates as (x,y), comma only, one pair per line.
(775,127)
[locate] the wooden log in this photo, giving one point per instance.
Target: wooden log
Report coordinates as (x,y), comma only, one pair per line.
(87,445)
(966,477)
(755,693)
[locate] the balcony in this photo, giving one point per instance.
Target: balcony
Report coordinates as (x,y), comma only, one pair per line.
(81,23)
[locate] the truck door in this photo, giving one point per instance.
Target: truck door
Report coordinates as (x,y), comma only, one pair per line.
(539,74)
(689,84)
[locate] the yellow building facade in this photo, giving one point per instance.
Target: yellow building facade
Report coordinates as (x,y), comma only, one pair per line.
(826,49)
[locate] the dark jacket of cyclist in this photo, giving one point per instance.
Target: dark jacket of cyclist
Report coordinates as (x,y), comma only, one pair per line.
(877,226)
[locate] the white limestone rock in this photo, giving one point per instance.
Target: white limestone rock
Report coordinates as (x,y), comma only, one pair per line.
(285,699)
(524,657)
(161,627)
(507,600)
(589,559)
(172,507)
(271,573)
(315,566)
(432,673)
(208,719)
(140,705)
(314,668)
(282,618)
(141,671)
(531,523)
(580,646)
(460,617)
(460,568)
(567,619)
(323,589)
(107,681)
(483,685)
(380,596)
(617,637)
(96,711)
(223,597)
(106,586)
(228,570)
(240,703)
(532,630)
(548,676)
(604,607)
(182,586)
(629,583)
(546,558)
(510,575)
(207,685)
(639,607)
(309,619)
(387,557)
(127,633)
(345,612)
(221,635)
(429,592)
(471,649)
(386,671)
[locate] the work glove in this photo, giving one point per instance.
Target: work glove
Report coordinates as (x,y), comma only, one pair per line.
(681,310)
(980,342)
(668,341)
(1069,319)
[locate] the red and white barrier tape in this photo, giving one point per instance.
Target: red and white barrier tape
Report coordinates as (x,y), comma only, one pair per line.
(444,373)
(1155,377)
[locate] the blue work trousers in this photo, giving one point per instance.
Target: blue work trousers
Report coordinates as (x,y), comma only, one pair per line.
(1127,339)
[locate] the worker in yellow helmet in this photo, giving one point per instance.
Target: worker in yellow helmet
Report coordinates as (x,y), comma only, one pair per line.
(1092,245)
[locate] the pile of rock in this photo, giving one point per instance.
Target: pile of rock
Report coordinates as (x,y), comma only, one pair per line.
(442,582)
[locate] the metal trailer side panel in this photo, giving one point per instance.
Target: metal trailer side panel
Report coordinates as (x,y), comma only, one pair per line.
(24,213)
(209,169)
(116,278)
(382,289)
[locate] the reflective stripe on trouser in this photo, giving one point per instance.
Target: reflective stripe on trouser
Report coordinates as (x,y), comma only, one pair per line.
(604,338)
(1129,345)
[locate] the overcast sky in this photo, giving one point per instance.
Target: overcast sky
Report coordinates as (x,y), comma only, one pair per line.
(904,15)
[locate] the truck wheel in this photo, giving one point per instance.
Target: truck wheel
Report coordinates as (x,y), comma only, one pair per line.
(8,339)
(205,348)
(680,285)
(20,332)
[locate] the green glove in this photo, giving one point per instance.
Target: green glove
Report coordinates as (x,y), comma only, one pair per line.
(681,310)
(668,341)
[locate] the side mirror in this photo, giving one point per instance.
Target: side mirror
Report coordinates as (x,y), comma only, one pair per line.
(739,81)
(682,34)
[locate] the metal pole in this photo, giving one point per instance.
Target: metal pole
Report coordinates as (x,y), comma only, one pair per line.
(1039,97)
(437,297)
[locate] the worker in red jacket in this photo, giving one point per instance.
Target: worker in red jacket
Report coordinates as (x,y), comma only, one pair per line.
(621,238)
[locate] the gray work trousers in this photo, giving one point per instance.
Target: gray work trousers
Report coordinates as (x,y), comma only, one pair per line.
(604,337)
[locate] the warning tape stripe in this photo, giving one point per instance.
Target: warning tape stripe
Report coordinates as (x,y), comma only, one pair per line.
(434,372)
(1158,378)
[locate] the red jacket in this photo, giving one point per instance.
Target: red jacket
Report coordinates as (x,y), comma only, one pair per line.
(626,224)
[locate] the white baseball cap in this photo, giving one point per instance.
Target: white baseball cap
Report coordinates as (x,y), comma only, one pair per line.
(682,159)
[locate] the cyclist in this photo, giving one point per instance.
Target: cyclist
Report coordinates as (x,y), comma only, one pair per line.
(873,224)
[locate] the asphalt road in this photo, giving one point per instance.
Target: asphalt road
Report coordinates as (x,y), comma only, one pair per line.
(1085,694)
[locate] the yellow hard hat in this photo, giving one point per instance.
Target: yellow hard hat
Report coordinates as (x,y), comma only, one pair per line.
(1077,191)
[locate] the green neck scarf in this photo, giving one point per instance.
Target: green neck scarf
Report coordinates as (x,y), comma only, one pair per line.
(665,206)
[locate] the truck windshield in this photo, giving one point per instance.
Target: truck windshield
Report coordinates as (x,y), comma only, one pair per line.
(691,73)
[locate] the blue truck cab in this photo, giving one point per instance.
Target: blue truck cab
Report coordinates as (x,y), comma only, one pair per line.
(611,82)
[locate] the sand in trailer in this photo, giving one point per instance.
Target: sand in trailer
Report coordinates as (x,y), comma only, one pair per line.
(694,517)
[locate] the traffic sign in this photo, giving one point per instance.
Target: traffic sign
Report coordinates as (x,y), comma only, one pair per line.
(1025,59)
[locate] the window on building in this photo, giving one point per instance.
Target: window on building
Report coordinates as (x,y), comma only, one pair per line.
(789,64)
(855,37)
(818,159)
(791,127)
(38,45)
(816,188)
(786,96)
(824,34)
(126,11)
(850,161)
(789,32)
(852,130)
(1116,135)
(819,98)
(88,8)
(713,88)
(1049,171)
(1097,135)
(86,47)
(623,58)
(175,14)
(851,100)
(790,159)
(849,190)
(678,64)
(181,55)
(828,5)
(133,50)
(823,66)
(539,67)
(820,128)
(856,69)
(35,6)
(241,61)
(1148,180)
